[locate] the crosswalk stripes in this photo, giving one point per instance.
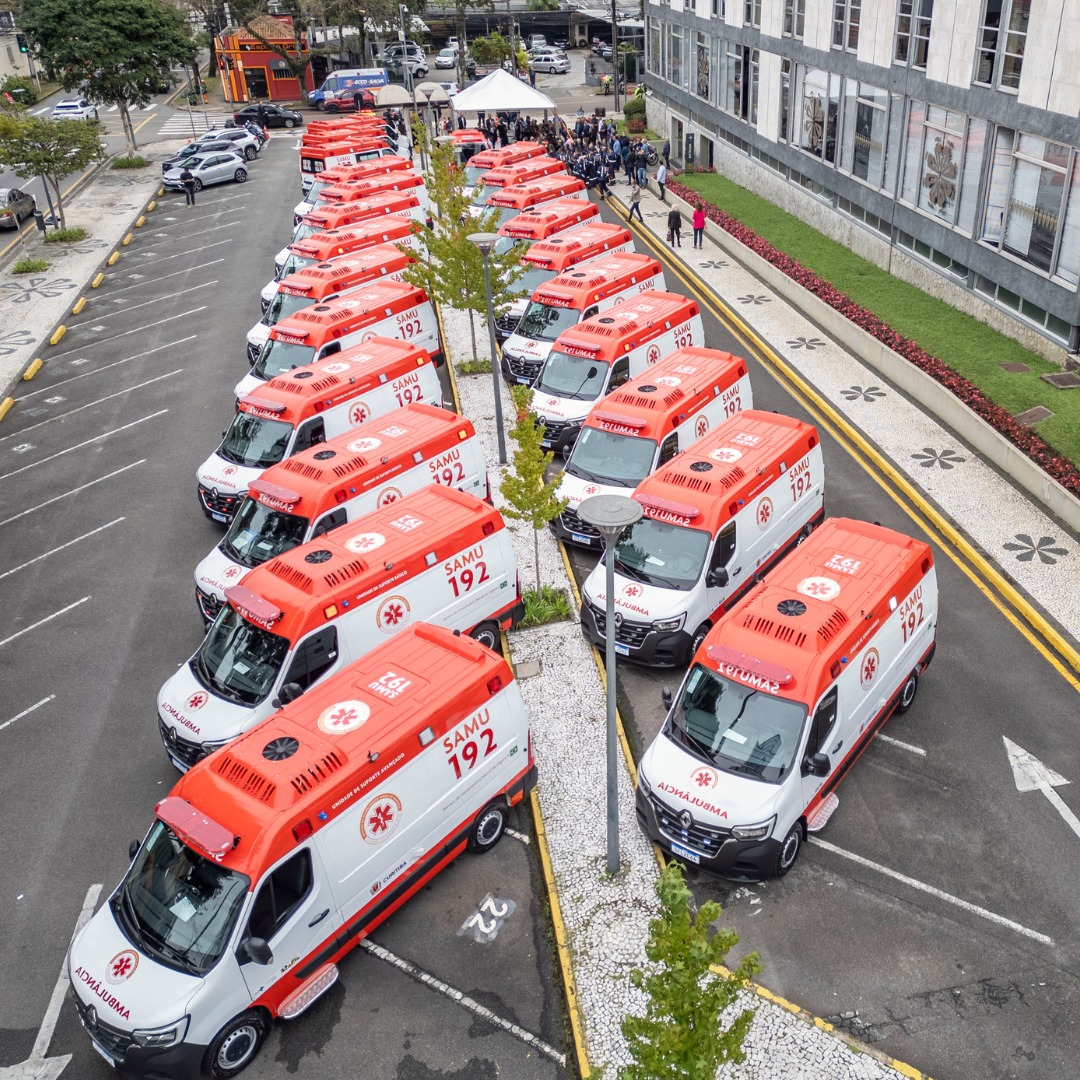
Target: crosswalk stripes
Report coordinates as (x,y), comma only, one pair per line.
(180,124)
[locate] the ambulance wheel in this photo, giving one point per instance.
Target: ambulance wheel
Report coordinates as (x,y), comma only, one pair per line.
(789,850)
(488,828)
(701,634)
(236,1044)
(804,532)
(907,693)
(488,634)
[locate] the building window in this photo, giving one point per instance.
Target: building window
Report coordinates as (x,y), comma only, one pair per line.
(676,73)
(702,82)
(718,9)
(846,16)
(934,159)
(913,32)
(794,18)
(1036,196)
(752,13)
(866,114)
(785,100)
(652,59)
(731,88)
(817,94)
(1002,37)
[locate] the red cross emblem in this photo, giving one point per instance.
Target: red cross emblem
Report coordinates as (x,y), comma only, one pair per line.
(701,426)
(393,614)
(705,778)
(122,966)
(764,512)
(358,414)
(870,664)
(592,489)
(196,701)
(388,496)
(381,818)
(341,717)
(632,590)
(653,354)
(229,470)
(232,571)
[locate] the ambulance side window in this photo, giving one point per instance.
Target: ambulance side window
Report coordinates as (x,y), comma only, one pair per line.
(668,448)
(311,433)
(822,724)
(329,350)
(620,372)
(725,546)
(330,521)
(590,312)
(314,657)
(279,896)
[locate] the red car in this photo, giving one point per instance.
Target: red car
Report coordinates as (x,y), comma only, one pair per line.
(344,101)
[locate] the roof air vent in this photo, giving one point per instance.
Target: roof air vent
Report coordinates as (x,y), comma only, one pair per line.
(791,607)
(280,749)
(320,555)
(646,389)
(304,375)
(606,320)
(325,455)
(701,466)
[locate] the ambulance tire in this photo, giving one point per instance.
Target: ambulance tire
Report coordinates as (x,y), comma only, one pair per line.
(488,828)
(907,693)
(804,532)
(789,849)
(700,635)
(488,634)
(236,1044)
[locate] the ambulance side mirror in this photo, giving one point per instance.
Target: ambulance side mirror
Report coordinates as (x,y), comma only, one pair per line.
(665,697)
(717,578)
(133,850)
(816,765)
(289,692)
(255,951)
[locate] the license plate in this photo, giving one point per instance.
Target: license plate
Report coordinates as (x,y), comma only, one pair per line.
(685,853)
(581,538)
(218,517)
(108,1057)
(546,442)
(622,650)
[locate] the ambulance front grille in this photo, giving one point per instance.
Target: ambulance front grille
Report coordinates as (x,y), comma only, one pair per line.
(218,503)
(553,431)
(253,349)
(506,324)
(109,1038)
(572,523)
(188,753)
(703,838)
(208,603)
(626,633)
(523,369)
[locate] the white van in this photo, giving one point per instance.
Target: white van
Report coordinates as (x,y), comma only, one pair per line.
(437,555)
(339,481)
(716,517)
(785,693)
(308,406)
(269,861)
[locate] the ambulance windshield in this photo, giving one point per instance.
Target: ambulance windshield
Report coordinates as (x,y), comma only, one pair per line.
(303,231)
(506,243)
(575,377)
(659,553)
(532,279)
(285,304)
(255,442)
(177,906)
(277,357)
(292,264)
(238,660)
(544,322)
(258,533)
(609,458)
(741,729)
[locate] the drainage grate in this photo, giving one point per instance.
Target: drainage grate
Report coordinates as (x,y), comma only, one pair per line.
(1033,416)
(1067,380)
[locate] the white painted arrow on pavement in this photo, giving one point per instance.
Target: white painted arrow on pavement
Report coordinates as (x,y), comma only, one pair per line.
(1031,774)
(37,1066)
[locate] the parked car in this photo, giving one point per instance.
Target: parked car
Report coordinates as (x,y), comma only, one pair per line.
(275,115)
(446,58)
(345,101)
(74,109)
(194,150)
(561,43)
(598,44)
(233,135)
(552,63)
(15,205)
(216,168)
(451,88)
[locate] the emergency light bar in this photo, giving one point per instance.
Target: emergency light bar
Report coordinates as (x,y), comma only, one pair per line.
(253,401)
(274,492)
(723,654)
(668,506)
(616,418)
(253,606)
(195,828)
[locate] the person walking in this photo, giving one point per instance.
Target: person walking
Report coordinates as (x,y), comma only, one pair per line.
(674,227)
(666,153)
(635,201)
(661,179)
(187,178)
(640,163)
(698,222)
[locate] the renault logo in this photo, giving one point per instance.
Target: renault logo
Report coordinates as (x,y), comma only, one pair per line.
(685,819)
(91,1016)
(618,618)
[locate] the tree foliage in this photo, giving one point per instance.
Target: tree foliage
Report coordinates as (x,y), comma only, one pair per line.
(680,1037)
(491,49)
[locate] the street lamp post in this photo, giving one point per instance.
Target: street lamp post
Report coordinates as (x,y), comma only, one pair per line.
(484,243)
(609,515)
(403,10)
(615,50)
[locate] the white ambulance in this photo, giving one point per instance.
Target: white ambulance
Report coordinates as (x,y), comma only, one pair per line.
(308,406)
(785,693)
(606,351)
(437,555)
(338,481)
(715,518)
(269,861)
(644,424)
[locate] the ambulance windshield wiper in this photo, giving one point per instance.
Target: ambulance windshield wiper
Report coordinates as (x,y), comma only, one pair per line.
(630,571)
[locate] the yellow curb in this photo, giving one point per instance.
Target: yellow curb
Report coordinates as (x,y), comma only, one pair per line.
(97,281)
(32,369)
(78,305)
(126,240)
(151,204)
(58,333)
(5,406)
(139,221)
(113,258)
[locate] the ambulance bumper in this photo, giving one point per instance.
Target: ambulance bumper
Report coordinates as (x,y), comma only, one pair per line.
(714,850)
(217,506)
(570,529)
(637,642)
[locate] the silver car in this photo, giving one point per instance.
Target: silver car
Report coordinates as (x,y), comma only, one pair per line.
(14,206)
(207,169)
(74,109)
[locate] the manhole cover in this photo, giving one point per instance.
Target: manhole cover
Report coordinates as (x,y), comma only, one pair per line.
(1015,369)
(1033,416)
(1067,380)
(617,937)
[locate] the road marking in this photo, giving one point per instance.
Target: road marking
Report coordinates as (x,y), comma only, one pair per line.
(181,254)
(483,929)
(1030,774)
(148,303)
(38,558)
(27,712)
(42,622)
(903,745)
(964,905)
(126,333)
(521,837)
(158,278)
(463,1000)
(91,404)
(73,491)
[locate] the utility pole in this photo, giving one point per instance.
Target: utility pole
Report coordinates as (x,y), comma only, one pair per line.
(404,49)
(615,50)
(510,33)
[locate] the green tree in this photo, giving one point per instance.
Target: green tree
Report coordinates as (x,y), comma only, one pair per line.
(680,1036)
(532,495)
(50,149)
(118,51)
(492,49)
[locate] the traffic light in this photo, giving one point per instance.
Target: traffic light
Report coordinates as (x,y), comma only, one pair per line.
(20,40)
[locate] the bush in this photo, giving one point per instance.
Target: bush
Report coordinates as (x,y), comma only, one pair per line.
(475,367)
(546,606)
(634,106)
(13,83)
(30,266)
(66,236)
(130,161)
(636,125)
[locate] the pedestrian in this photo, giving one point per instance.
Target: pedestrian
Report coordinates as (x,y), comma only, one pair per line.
(635,201)
(260,113)
(698,221)
(661,179)
(532,77)
(674,227)
(641,160)
(666,153)
(187,178)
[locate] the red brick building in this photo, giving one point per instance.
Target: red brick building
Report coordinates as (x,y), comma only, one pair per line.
(250,71)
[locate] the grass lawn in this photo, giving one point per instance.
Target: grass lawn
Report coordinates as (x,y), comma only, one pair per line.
(968,346)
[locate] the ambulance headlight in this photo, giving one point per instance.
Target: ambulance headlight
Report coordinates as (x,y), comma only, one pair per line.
(670,624)
(167,1035)
(209,747)
(754,832)
(643,783)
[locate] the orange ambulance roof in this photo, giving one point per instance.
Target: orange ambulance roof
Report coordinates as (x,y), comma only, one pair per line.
(562,251)
(597,279)
(622,328)
(353,190)
(340,174)
(550,217)
(370,303)
(325,278)
(382,202)
(506,155)
(526,169)
(521,194)
(327,243)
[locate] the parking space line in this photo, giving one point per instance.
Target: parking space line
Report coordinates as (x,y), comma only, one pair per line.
(27,712)
(91,404)
(158,278)
(42,622)
(79,446)
(903,745)
(45,555)
(126,333)
(160,226)
(93,316)
(181,254)
(964,905)
(105,367)
(520,837)
(463,1000)
(73,491)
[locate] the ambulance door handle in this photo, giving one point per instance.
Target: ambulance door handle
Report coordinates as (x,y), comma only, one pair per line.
(319,918)
(837,746)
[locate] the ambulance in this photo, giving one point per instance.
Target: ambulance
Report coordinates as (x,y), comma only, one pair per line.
(715,518)
(326,281)
(342,174)
(487,160)
(354,190)
(334,243)
(269,861)
(467,143)
(507,175)
(399,203)
(306,407)
(540,224)
(784,694)
(606,351)
(317,159)
(437,555)
(518,198)
(338,481)
(550,256)
(382,308)
(641,426)
(568,299)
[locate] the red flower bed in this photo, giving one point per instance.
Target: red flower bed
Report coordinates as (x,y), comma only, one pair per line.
(1028,441)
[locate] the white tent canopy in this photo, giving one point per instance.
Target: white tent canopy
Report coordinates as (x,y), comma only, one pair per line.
(501,92)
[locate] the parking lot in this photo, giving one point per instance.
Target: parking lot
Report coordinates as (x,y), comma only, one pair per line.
(101,530)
